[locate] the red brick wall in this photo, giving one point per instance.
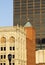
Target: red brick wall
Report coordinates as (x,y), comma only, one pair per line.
(30,40)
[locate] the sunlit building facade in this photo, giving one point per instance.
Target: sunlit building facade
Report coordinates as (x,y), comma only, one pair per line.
(40,57)
(16,45)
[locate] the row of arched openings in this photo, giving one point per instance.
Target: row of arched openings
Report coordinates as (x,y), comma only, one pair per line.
(11,39)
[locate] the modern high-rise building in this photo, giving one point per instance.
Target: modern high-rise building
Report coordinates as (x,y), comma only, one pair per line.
(34,12)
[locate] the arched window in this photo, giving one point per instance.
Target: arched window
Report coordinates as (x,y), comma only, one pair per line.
(3,40)
(12,39)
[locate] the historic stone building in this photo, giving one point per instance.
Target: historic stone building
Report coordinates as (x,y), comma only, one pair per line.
(17,45)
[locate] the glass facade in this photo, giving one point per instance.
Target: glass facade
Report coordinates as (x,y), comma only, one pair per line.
(32,10)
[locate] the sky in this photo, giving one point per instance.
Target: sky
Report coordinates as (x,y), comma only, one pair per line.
(6,12)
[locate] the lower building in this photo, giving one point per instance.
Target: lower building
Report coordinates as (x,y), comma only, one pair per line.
(40,57)
(17,45)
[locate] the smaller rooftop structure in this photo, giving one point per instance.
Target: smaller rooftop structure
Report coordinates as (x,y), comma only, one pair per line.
(28,24)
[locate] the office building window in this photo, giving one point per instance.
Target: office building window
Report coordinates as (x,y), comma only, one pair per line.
(43,40)
(10,63)
(13,56)
(1,56)
(1,48)
(1,64)
(10,48)
(4,48)
(13,48)
(4,64)
(38,41)
(4,56)
(13,63)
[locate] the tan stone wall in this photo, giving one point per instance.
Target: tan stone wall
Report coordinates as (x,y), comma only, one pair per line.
(24,45)
(19,44)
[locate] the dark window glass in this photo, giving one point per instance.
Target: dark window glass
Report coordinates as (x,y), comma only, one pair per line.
(13,63)
(4,64)
(13,56)
(4,56)
(4,48)
(10,48)
(13,48)
(1,56)
(1,63)
(10,64)
(38,41)
(43,40)
(1,48)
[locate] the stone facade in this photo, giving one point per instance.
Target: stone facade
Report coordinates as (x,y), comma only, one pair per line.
(40,57)
(20,43)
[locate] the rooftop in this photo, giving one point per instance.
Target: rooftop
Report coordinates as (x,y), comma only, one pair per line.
(28,24)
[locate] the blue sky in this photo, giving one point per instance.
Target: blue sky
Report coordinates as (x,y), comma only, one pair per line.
(6,12)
